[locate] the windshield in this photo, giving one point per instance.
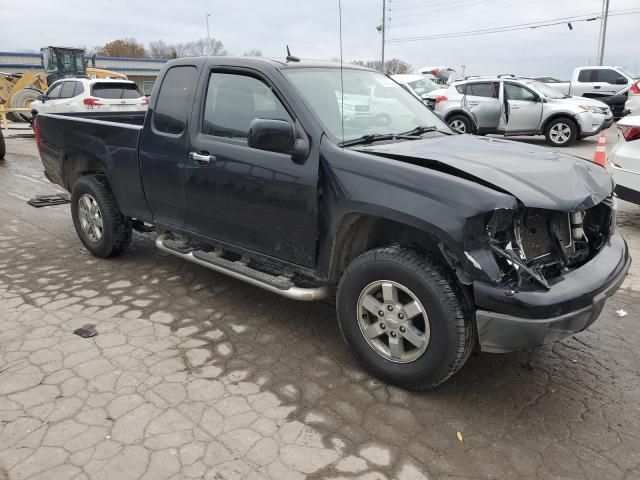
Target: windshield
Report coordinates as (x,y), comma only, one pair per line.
(373,103)
(422,86)
(546,90)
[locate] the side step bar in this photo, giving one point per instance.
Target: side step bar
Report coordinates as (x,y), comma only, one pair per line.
(280,285)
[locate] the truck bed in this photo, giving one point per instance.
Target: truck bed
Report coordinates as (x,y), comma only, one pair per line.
(79,142)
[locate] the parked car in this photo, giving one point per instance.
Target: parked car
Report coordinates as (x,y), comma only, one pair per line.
(625,159)
(431,241)
(633,101)
(81,94)
(607,84)
(423,86)
(520,106)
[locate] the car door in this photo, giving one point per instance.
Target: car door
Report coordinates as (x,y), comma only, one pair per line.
(257,200)
(482,101)
(523,109)
(163,145)
(609,81)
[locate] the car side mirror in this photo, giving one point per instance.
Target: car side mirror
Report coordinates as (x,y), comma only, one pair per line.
(276,136)
(41,98)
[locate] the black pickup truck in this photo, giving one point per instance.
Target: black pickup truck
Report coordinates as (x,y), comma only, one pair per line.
(316,182)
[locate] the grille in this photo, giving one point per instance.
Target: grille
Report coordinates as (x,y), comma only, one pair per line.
(535,233)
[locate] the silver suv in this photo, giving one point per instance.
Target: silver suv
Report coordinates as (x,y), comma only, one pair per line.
(520,106)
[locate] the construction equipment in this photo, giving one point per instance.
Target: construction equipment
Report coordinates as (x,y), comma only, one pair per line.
(18,90)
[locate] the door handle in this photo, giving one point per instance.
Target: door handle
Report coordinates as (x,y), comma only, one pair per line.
(473,104)
(514,107)
(201,158)
(596,87)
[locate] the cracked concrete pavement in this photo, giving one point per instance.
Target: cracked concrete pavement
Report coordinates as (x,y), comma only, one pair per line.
(195,375)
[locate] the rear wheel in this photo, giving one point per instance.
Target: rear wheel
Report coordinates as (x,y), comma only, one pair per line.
(2,145)
(404,317)
(102,228)
(460,124)
(561,132)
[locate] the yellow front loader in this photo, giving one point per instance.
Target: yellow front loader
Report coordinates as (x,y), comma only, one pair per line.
(18,90)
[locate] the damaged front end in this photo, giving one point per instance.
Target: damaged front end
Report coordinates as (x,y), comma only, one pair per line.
(543,274)
(534,247)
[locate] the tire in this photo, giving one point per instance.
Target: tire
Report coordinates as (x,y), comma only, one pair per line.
(416,277)
(22,99)
(3,149)
(561,132)
(460,124)
(91,199)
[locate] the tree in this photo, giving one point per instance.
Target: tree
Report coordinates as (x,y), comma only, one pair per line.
(196,48)
(125,47)
(254,52)
(391,67)
(161,49)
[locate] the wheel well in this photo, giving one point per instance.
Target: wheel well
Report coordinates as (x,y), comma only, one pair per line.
(566,116)
(76,166)
(359,233)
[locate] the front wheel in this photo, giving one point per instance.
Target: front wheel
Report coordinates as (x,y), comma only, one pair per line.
(100,225)
(404,317)
(561,132)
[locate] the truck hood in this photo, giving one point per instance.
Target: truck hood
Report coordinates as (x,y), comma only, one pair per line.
(538,177)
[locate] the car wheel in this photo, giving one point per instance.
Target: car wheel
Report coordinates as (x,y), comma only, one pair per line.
(460,124)
(561,132)
(2,145)
(404,318)
(102,228)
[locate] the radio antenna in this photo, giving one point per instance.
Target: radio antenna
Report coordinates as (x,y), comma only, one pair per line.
(291,58)
(341,74)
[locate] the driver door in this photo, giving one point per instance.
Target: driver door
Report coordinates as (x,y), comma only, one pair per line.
(523,109)
(257,200)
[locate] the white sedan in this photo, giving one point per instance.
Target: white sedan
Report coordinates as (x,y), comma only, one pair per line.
(625,159)
(70,95)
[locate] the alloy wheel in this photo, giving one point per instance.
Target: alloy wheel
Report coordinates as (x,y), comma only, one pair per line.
(90,217)
(393,321)
(560,133)
(458,126)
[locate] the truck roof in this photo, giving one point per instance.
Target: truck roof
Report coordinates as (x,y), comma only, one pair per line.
(275,62)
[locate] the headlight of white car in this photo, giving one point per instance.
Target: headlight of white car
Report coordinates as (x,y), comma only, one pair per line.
(589,108)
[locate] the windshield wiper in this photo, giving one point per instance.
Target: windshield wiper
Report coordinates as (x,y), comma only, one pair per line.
(378,137)
(420,129)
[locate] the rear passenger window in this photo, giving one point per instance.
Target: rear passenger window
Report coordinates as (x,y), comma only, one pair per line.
(175,99)
(234,101)
(482,90)
(586,76)
(79,89)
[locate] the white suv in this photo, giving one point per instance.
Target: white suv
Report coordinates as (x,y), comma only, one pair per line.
(70,95)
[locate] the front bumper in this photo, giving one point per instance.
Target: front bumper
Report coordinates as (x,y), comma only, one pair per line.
(510,321)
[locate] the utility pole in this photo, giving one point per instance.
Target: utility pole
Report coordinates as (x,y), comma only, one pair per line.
(384,28)
(603,31)
(207,15)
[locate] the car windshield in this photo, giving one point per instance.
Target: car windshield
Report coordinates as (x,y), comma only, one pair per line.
(372,104)
(422,86)
(546,90)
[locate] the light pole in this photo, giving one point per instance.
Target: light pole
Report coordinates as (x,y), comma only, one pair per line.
(603,31)
(384,27)
(207,15)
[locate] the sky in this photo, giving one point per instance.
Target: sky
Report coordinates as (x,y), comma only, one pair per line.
(311,29)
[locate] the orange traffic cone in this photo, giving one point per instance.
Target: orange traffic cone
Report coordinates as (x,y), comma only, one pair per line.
(600,156)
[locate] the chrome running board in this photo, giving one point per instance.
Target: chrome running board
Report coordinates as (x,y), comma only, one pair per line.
(213,261)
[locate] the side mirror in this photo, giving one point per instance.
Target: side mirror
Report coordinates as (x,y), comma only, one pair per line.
(40,98)
(274,136)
